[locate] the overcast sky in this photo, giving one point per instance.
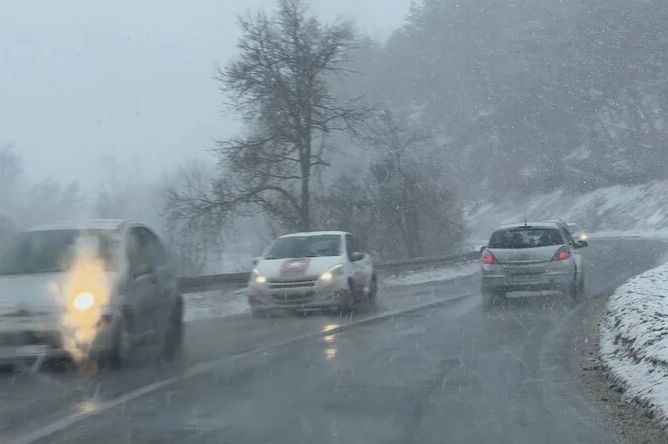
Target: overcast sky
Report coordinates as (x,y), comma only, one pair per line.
(81,80)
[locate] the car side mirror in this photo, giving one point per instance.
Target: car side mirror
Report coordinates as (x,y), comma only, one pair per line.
(356,256)
(483,248)
(256,261)
(581,244)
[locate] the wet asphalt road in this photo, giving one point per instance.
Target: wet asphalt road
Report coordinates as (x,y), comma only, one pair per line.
(453,372)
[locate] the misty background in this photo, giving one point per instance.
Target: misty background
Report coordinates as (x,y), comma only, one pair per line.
(82,82)
(105,106)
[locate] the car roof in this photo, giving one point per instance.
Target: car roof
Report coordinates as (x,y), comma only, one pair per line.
(315,233)
(91,224)
(530,224)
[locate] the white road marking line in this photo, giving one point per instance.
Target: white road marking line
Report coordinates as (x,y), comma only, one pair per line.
(206,367)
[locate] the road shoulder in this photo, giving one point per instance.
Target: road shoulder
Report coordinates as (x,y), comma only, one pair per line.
(633,423)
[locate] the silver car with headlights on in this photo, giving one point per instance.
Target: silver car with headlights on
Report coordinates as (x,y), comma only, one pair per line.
(312,271)
(541,256)
(91,291)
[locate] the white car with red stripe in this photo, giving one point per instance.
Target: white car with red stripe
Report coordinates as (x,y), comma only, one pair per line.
(312,271)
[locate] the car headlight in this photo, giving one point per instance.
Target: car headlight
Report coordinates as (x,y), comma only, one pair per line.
(334,272)
(84,301)
(257,278)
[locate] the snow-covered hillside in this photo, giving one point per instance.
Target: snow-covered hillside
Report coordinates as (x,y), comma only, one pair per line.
(634,340)
(641,209)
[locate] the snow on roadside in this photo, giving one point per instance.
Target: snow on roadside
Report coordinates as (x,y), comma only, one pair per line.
(634,340)
(214,304)
(219,303)
(433,275)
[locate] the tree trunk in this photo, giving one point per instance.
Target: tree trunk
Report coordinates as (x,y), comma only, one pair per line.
(305,207)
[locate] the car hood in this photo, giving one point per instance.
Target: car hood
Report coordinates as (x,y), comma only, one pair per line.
(297,268)
(539,254)
(25,295)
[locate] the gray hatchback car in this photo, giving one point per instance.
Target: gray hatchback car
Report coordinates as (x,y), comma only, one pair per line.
(92,291)
(539,256)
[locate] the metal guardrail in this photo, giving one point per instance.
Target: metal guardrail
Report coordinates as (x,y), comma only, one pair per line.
(194,284)
(419,262)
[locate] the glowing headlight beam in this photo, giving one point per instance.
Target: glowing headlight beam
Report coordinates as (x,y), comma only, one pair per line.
(84,301)
(260,279)
(328,275)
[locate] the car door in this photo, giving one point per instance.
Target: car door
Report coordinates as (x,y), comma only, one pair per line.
(165,274)
(365,264)
(359,265)
(142,284)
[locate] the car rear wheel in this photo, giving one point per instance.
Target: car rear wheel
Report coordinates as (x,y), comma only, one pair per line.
(173,339)
(492,297)
(579,289)
(259,314)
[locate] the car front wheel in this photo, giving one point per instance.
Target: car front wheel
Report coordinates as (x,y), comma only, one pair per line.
(122,344)
(173,334)
(372,292)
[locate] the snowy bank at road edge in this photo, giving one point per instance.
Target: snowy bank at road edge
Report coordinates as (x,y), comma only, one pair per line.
(432,275)
(214,304)
(634,340)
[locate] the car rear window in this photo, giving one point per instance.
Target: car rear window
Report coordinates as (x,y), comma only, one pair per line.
(525,237)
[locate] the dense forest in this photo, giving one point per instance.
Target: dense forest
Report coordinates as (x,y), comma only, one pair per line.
(530,95)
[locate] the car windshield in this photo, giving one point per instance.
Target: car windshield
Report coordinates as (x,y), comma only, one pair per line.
(305,246)
(55,251)
(525,237)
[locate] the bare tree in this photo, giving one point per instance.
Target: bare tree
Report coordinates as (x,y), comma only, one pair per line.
(192,218)
(281,84)
(411,202)
(10,172)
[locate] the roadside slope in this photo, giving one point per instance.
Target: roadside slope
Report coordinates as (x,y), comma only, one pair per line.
(639,209)
(634,341)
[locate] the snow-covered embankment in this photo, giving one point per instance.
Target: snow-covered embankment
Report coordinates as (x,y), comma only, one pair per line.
(634,340)
(638,209)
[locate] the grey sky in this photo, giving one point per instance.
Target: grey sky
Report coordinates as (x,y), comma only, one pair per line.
(81,79)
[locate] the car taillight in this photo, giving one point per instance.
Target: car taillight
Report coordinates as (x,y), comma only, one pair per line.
(562,254)
(488,258)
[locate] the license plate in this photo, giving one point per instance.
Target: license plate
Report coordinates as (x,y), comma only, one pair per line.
(526,277)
